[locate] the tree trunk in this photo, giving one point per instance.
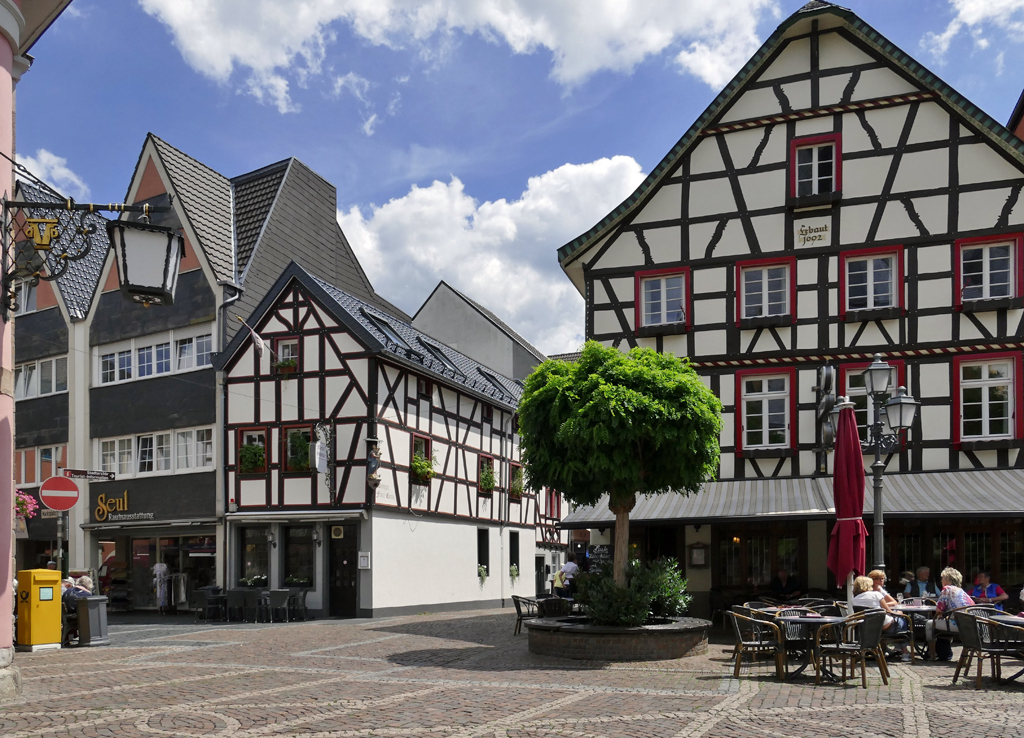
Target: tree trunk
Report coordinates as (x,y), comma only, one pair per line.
(621,507)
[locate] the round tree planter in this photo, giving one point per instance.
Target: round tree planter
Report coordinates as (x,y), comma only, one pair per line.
(574,638)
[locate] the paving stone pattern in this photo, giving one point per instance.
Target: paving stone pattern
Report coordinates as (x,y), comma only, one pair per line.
(459,675)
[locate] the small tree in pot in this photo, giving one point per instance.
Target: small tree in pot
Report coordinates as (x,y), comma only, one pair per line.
(620,424)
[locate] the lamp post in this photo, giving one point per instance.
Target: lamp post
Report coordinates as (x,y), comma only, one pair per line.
(897,414)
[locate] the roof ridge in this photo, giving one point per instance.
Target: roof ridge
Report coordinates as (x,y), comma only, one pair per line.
(187,156)
(501,324)
(262,171)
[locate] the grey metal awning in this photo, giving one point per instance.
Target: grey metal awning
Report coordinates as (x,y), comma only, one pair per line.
(981,493)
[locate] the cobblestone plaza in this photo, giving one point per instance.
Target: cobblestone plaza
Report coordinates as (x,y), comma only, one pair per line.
(457,675)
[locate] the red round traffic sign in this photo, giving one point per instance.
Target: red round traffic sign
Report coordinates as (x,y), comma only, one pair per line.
(59,493)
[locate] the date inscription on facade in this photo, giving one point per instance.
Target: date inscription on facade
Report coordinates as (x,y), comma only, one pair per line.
(813,232)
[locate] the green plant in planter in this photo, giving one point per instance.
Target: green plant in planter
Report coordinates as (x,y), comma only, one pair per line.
(481,571)
(487,478)
(657,590)
(294,581)
(286,365)
(251,459)
(515,485)
(422,468)
(298,453)
(513,574)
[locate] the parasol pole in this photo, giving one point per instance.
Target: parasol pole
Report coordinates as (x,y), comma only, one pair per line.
(849,590)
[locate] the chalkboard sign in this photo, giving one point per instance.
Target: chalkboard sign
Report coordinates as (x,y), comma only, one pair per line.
(600,556)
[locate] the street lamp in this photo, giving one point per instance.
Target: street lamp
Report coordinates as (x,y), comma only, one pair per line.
(884,435)
(147,258)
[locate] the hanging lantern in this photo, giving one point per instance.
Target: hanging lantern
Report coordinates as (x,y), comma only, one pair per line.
(148,258)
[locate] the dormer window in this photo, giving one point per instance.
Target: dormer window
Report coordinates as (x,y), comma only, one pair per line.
(815,167)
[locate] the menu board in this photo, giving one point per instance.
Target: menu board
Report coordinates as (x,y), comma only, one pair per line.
(600,556)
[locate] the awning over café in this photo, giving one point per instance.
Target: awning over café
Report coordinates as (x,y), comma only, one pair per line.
(975,493)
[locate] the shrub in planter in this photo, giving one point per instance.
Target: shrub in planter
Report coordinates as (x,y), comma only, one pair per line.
(422,469)
(251,459)
(652,591)
(286,366)
(515,485)
(486,479)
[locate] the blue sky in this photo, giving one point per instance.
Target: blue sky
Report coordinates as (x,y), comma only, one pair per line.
(468,139)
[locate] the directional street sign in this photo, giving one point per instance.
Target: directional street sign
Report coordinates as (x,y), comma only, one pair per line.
(92,476)
(59,493)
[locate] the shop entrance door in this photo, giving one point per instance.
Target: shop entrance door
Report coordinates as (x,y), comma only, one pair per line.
(344,571)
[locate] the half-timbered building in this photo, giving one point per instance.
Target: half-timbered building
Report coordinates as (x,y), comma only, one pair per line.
(366,530)
(835,200)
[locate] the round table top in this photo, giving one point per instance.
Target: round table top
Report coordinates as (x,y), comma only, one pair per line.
(811,619)
(1007,619)
(916,608)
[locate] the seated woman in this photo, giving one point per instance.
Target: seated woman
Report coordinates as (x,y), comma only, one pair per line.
(987,592)
(868,592)
(951,597)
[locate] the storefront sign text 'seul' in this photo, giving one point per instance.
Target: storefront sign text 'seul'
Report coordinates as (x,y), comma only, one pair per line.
(116,508)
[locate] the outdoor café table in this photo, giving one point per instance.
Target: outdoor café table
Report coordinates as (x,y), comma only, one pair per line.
(808,629)
(925,612)
(916,609)
(1017,623)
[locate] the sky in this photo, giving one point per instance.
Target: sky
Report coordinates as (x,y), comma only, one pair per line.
(467,139)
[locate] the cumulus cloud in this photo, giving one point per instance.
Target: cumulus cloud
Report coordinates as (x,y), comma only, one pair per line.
(501,253)
(54,170)
(975,17)
(271,37)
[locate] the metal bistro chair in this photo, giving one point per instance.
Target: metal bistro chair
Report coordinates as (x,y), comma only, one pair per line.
(526,609)
(277,603)
(976,641)
(254,603)
(202,605)
(297,603)
(854,638)
(758,637)
(553,607)
(235,604)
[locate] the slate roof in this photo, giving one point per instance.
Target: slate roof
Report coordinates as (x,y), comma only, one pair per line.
(471,374)
(255,193)
(78,284)
(498,322)
(205,196)
(570,357)
(983,123)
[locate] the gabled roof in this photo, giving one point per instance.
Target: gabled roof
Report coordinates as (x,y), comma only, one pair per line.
(205,196)
(255,193)
(78,284)
(982,123)
(369,323)
(571,357)
(491,317)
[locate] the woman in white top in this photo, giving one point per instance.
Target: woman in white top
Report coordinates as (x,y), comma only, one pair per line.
(869,593)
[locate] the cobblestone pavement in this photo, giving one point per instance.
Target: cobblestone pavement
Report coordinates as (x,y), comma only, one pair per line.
(459,675)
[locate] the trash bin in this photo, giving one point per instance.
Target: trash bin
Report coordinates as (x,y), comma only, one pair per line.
(92,621)
(39,622)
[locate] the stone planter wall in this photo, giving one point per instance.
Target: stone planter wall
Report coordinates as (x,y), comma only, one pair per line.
(567,638)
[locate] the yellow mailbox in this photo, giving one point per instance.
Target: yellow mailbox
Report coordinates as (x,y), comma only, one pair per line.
(39,607)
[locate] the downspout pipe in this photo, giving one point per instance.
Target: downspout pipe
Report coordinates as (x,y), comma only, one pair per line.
(222,342)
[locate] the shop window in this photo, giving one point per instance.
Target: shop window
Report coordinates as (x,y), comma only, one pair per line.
(871,279)
(297,449)
(299,557)
(662,299)
(987,401)
(988,268)
(1011,556)
(766,291)
(254,556)
(753,557)
(483,548)
(252,451)
(815,166)
(977,554)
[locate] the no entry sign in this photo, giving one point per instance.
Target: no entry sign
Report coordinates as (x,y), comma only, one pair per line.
(59,493)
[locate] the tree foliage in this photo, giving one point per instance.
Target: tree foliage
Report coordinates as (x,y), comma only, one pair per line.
(621,424)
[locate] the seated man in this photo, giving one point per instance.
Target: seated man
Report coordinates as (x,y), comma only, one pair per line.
(987,592)
(921,587)
(785,587)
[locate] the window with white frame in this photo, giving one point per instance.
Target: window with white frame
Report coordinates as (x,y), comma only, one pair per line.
(871,282)
(664,299)
(24,297)
(863,405)
(151,356)
(765,291)
(765,411)
(815,169)
(986,271)
(44,377)
(147,453)
(34,465)
(986,399)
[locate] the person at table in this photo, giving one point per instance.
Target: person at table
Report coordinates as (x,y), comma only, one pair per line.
(920,587)
(950,598)
(877,577)
(868,592)
(785,587)
(987,592)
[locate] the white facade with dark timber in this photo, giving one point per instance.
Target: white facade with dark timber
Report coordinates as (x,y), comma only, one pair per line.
(836,200)
(365,379)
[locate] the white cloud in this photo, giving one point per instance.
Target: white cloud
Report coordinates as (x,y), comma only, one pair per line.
(54,170)
(975,16)
(270,37)
(500,253)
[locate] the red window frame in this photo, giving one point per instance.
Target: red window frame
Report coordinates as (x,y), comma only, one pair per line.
(480,458)
(238,448)
(896,251)
(428,445)
(901,379)
(1018,264)
(742,374)
(1018,385)
(511,473)
(789,261)
(638,303)
(285,429)
(553,507)
(799,143)
(277,351)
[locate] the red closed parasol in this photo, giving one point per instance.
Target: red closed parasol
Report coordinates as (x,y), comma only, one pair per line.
(846,551)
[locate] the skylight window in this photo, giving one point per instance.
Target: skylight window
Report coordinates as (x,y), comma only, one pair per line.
(387,329)
(492,380)
(438,354)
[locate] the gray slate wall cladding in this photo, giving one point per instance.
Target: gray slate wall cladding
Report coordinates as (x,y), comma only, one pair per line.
(41,421)
(38,335)
(523,362)
(117,319)
(177,401)
(168,497)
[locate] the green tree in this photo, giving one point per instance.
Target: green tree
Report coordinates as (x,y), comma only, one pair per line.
(620,424)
